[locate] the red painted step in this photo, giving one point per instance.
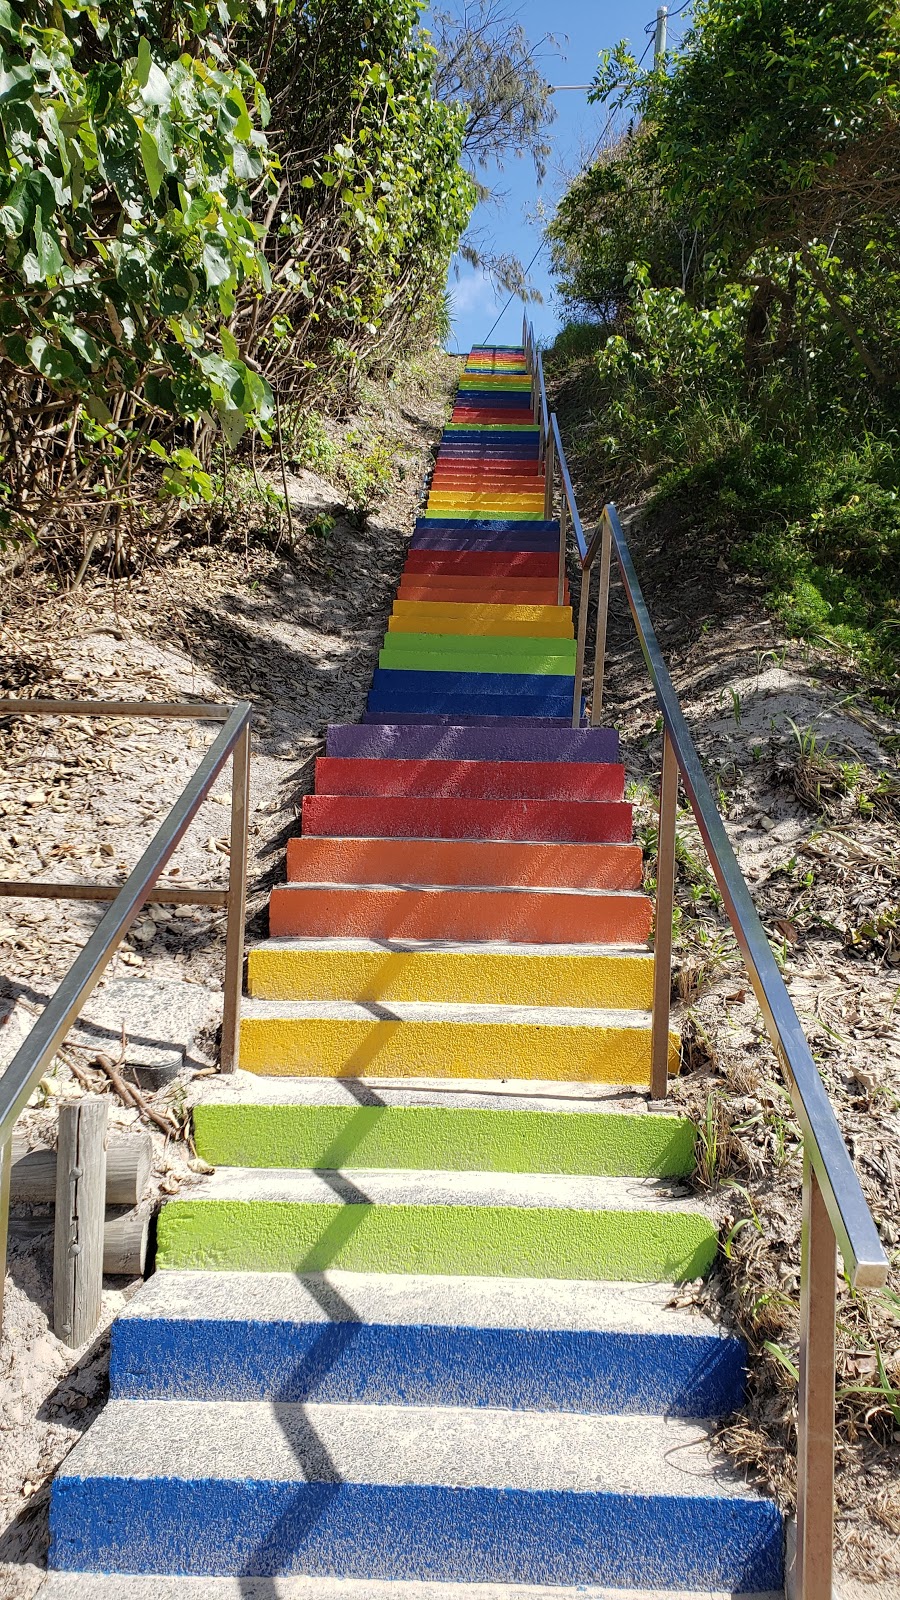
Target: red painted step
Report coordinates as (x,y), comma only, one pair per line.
(481,780)
(514,563)
(572,821)
(465,863)
(464,915)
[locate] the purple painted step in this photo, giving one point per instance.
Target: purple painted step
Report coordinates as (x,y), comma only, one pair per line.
(452,742)
(447,539)
(448,719)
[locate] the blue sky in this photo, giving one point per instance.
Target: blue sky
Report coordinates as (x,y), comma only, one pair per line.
(583,30)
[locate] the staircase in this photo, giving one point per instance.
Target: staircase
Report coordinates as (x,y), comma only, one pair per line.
(416,1336)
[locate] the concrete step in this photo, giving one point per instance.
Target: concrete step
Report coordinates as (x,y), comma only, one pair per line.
(521,916)
(113,1586)
(438,616)
(469,1224)
(382,1338)
(485,563)
(407,1491)
(465,644)
(481,780)
(442,743)
(474,719)
(476,658)
(463,862)
(343,1038)
(473,1094)
(397,816)
(442,1138)
(442,530)
(473,974)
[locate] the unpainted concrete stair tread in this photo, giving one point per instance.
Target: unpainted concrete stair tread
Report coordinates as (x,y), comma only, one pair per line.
(448,1012)
(115,1586)
(404,1187)
(469,1094)
(543,952)
(453,1446)
(401,1299)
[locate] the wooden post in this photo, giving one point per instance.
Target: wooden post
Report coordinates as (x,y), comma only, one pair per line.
(237,902)
(80,1208)
(815,1426)
(602,614)
(5,1165)
(662,937)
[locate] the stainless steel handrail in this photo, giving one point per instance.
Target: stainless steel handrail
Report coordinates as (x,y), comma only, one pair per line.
(835,1213)
(37,1050)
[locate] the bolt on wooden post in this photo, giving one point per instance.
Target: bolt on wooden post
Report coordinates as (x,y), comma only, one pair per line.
(80,1209)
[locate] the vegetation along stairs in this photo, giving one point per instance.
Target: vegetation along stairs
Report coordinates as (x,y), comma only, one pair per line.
(416,1334)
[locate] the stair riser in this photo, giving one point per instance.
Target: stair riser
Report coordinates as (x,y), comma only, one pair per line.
(453,707)
(355,1363)
(475,660)
(346,1049)
(488,780)
(463,863)
(482,534)
(474,744)
(497,594)
(430,1138)
(457,914)
(459,1241)
(445,718)
(479,564)
(439,977)
(571,821)
(359,1530)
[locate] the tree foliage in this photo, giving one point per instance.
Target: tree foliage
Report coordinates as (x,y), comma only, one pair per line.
(199,206)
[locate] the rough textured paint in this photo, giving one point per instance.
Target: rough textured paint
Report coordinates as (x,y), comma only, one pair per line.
(610,1143)
(572,821)
(499,1241)
(333,1047)
(481,780)
(365,1530)
(624,982)
(474,744)
(168,1358)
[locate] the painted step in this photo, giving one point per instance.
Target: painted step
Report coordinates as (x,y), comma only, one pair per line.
(509,593)
(465,644)
(483,563)
(438,1138)
(114,1586)
(395,816)
(448,743)
(474,719)
(382,1339)
(480,534)
(344,1039)
(464,863)
(522,916)
(503,1225)
(382,705)
(408,1491)
(529,975)
(482,780)
(456,678)
(524,622)
(478,660)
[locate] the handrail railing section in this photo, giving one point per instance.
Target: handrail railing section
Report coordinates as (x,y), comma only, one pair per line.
(835,1214)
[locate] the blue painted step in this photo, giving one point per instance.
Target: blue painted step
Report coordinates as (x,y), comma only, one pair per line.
(414,682)
(420,1341)
(462,705)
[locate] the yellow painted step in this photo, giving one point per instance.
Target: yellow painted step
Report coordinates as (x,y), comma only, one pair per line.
(285,1038)
(475,976)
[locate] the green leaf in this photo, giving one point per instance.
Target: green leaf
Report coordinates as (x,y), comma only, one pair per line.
(153,166)
(16,80)
(157,91)
(144,61)
(216,261)
(50,361)
(233,423)
(9,22)
(98,409)
(80,341)
(229,345)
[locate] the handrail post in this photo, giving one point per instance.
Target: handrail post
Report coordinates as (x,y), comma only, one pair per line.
(662,934)
(815,1423)
(583,603)
(237,902)
(602,614)
(5,1170)
(549,464)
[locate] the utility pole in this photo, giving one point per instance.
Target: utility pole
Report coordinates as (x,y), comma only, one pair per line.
(659,43)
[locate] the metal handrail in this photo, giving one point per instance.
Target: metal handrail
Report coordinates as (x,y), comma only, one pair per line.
(37,1050)
(835,1213)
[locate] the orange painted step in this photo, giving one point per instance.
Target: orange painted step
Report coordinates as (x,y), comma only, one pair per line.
(394,817)
(473,584)
(478,780)
(464,863)
(522,916)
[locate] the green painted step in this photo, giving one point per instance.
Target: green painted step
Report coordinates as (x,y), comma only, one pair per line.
(324,1137)
(549,666)
(638,1246)
(461,644)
